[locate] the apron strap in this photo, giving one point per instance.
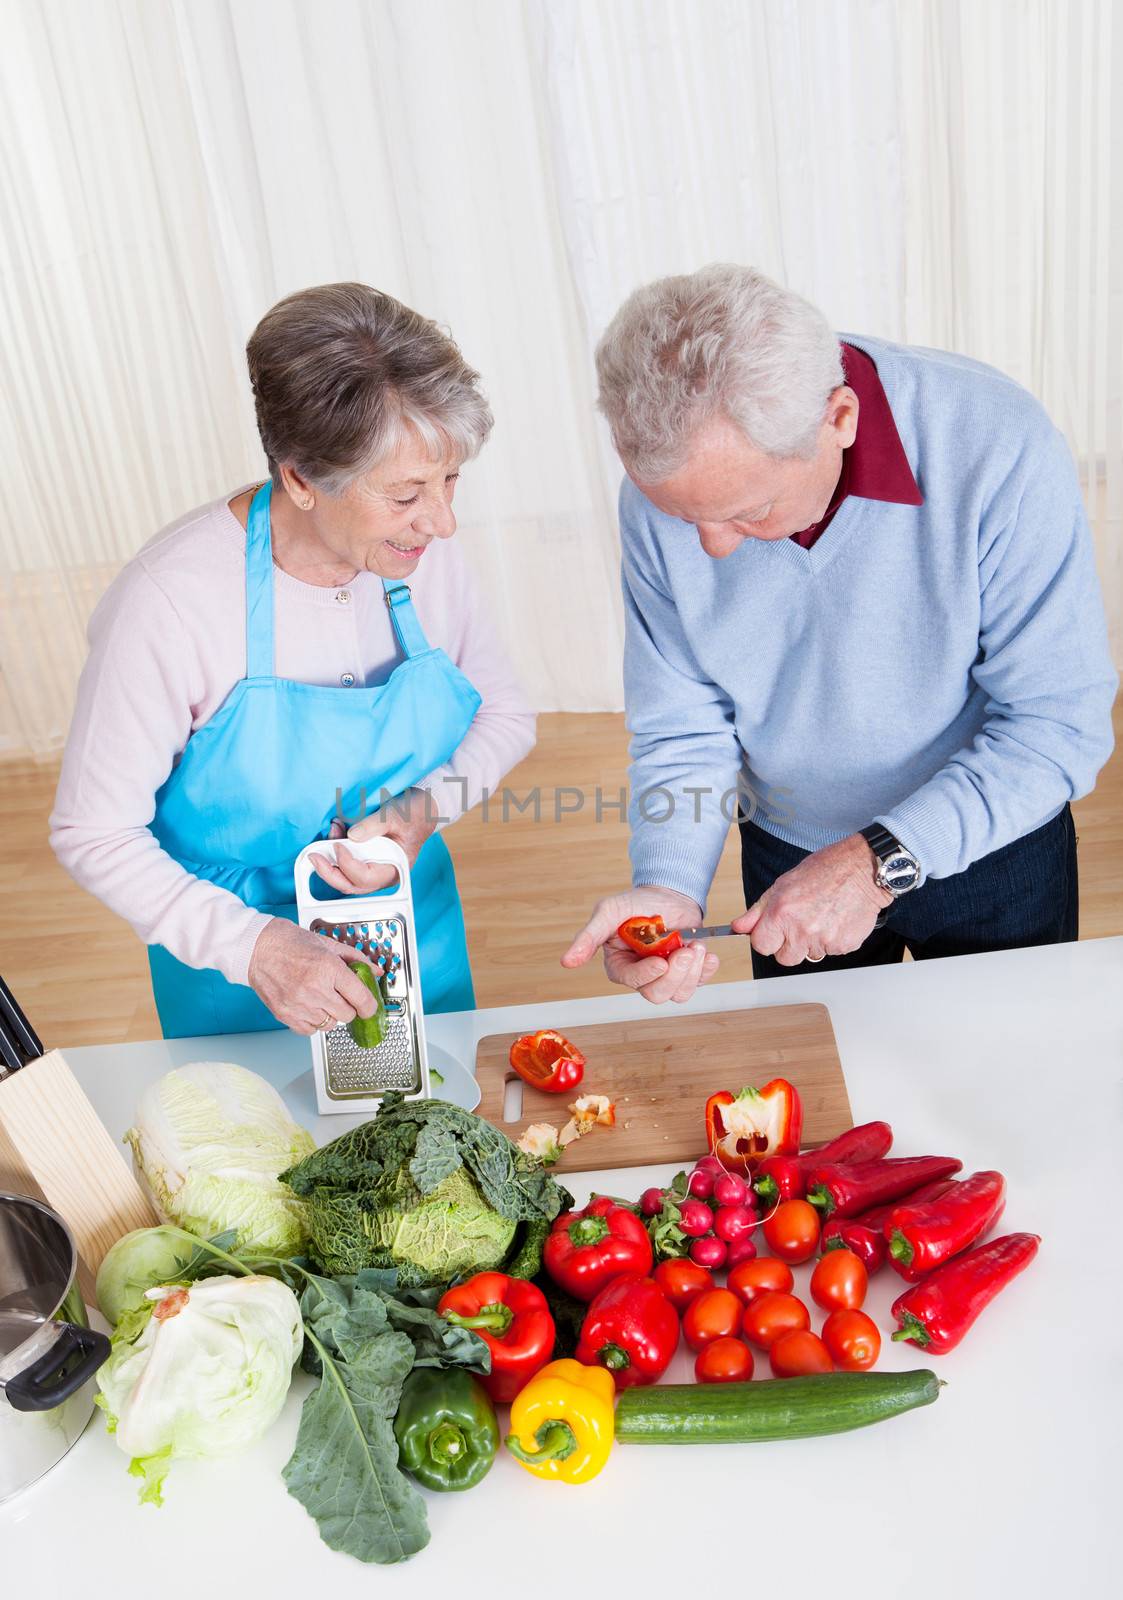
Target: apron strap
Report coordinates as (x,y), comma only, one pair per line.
(399,600)
(259,586)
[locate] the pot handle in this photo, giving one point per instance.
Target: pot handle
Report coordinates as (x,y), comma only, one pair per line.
(46,1383)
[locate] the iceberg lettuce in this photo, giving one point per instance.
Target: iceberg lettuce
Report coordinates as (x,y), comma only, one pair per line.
(208,1143)
(204,1372)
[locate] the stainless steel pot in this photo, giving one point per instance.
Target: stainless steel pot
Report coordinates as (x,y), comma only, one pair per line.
(48,1351)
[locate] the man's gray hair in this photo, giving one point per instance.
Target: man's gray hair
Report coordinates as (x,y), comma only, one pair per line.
(342,372)
(723,341)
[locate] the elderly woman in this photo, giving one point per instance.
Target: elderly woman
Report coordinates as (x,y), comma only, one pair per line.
(273,663)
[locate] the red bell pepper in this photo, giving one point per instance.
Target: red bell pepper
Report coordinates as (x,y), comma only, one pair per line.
(546,1060)
(632,1329)
(585,1250)
(649,936)
(849,1190)
(937,1313)
(512,1318)
(742,1129)
(785,1177)
(863,1234)
(925,1235)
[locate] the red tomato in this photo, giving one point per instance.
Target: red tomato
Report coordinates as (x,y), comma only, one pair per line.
(852,1339)
(716,1314)
(792,1230)
(682,1281)
(771,1315)
(799,1354)
(724,1361)
(764,1275)
(839,1281)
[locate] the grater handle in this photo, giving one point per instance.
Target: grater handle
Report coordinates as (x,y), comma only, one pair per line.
(379,849)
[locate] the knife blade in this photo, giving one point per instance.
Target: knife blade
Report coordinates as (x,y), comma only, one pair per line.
(723,930)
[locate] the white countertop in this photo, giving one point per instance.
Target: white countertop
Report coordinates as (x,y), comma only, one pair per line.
(1008,1485)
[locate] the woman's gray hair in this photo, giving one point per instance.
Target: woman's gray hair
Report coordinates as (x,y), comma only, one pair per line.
(725,341)
(342,372)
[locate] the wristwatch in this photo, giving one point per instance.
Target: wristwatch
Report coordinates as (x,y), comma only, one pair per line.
(898,870)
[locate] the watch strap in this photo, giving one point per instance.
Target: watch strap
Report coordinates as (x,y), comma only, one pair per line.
(880,840)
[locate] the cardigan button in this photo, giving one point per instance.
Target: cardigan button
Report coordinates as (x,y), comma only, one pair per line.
(343,596)
(347,679)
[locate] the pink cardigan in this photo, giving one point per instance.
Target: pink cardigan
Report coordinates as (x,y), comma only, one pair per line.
(167,644)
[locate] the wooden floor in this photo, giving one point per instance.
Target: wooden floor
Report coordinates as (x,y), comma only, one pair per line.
(526,883)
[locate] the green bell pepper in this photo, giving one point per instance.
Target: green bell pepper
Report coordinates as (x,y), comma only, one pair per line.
(446,1429)
(369,1031)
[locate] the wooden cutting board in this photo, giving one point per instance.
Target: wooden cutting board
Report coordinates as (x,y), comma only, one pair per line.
(661,1071)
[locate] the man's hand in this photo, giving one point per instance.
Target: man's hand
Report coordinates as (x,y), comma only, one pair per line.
(409,821)
(656,978)
(826,906)
(305,979)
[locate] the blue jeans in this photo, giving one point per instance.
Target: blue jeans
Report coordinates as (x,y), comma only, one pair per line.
(1024,894)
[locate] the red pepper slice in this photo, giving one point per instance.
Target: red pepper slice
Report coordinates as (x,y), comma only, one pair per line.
(513,1319)
(584,1250)
(632,1329)
(742,1129)
(850,1190)
(546,1060)
(785,1177)
(937,1313)
(923,1236)
(648,936)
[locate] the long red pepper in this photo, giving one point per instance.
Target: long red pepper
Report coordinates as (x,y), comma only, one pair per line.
(849,1190)
(875,1217)
(923,1236)
(937,1313)
(785,1177)
(849,1233)
(863,1234)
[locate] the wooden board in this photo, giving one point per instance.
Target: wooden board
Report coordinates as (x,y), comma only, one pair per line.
(661,1071)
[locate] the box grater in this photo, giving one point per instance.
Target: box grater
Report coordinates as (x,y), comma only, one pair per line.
(348,1077)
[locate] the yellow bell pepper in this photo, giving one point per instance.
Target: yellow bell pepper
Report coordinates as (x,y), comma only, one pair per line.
(563,1422)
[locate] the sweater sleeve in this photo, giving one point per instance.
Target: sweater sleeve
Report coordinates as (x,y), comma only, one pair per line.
(685,753)
(503,730)
(1044,665)
(132,718)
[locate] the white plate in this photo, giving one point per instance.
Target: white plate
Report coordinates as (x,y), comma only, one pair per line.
(459,1086)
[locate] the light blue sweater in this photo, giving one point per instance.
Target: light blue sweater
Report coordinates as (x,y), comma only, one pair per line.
(942,669)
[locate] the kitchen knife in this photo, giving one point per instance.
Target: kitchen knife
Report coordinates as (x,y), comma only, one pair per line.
(723,930)
(11,1059)
(19,1043)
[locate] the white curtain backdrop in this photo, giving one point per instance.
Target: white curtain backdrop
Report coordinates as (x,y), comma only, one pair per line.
(940,173)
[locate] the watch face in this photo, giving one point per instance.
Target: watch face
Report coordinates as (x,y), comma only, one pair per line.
(899,872)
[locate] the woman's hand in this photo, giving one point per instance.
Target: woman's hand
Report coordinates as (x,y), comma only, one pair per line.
(409,821)
(304,978)
(657,978)
(825,906)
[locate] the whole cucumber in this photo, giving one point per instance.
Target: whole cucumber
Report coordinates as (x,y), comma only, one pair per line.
(777,1408)
(369,1031)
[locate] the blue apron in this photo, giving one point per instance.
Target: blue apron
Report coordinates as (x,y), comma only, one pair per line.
(259,781)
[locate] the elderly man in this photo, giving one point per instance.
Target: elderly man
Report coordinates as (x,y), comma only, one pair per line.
(863,618)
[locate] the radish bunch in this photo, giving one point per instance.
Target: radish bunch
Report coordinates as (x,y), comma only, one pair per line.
(717,1214)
